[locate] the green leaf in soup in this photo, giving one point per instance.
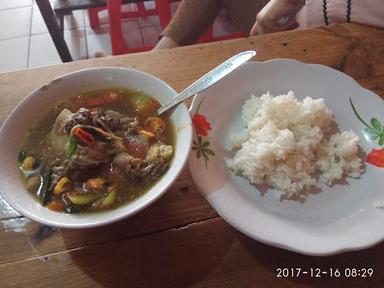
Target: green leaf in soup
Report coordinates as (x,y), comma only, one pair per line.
(72,208)
(83,199)
(71,147)
(370,134)
(109,200)
(43,194)
(376,124)
(22,156)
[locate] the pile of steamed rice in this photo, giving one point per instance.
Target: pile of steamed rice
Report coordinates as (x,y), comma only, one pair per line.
(288,143)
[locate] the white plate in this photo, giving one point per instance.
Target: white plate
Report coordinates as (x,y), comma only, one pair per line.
(340,218)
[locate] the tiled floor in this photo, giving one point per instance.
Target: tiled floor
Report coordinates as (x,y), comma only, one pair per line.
(25,42)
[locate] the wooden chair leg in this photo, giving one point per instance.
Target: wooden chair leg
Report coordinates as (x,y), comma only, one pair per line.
(54,29)
(141,9)
(60,17)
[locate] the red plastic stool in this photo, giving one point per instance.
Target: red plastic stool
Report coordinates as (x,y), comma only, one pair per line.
(115,15)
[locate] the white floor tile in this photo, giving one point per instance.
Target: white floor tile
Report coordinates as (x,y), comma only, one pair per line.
(103,17)
(151,35)
(9,4)
(74,21)
(15,23)
(129,7)
(131,33)
(150,4)
(103,14)
(99,39)
(43,52)
(14,54)
(149,21)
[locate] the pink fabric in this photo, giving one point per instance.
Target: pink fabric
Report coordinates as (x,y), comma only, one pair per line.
(367,12)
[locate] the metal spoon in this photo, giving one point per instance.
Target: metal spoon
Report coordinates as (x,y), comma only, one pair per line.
(209,79)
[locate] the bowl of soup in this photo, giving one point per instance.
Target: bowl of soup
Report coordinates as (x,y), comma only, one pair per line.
(88,148)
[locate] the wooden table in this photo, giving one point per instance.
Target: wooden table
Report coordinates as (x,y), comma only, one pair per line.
(180,241)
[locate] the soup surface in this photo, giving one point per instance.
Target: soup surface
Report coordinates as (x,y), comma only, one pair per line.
(97,150)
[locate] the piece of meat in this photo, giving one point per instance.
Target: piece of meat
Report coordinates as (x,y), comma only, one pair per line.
(109,120)
(84,157)
(159,150)
(106,122)
(82,117)
(153,166)
(59,169)
(61,121)
(129,165)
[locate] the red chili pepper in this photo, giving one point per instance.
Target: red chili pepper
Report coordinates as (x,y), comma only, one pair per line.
(84,137)
(201,124)
(376,157)
(107,98)
(95,102)
(136,145)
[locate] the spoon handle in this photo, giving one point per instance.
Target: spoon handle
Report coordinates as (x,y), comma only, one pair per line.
(209,79)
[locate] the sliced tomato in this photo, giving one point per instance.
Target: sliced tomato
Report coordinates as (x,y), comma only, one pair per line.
(136,145)
(144,105)
(56,205)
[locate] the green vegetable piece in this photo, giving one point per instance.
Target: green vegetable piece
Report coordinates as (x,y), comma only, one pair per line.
(109,199)
(74,208)
(22,156)
(83,199)
(43,194)
(71,147)
(376,124)
(140,98)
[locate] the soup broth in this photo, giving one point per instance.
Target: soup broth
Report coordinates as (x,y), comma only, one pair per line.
(97,150)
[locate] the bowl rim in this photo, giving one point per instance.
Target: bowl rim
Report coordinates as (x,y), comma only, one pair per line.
(122,215)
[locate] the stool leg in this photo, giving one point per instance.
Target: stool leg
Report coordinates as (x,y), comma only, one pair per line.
(94,17)
(163,8)
(141,9)
(114,15)
(207,36)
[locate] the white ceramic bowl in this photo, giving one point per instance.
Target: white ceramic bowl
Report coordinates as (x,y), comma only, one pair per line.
(34,106)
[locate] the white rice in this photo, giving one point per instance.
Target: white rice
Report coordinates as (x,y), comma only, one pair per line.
(287,143)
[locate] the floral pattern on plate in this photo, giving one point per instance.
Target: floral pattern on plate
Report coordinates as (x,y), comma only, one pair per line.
(372,133)
(201,127)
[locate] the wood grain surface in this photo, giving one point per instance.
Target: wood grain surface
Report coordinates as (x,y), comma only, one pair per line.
(180,241)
